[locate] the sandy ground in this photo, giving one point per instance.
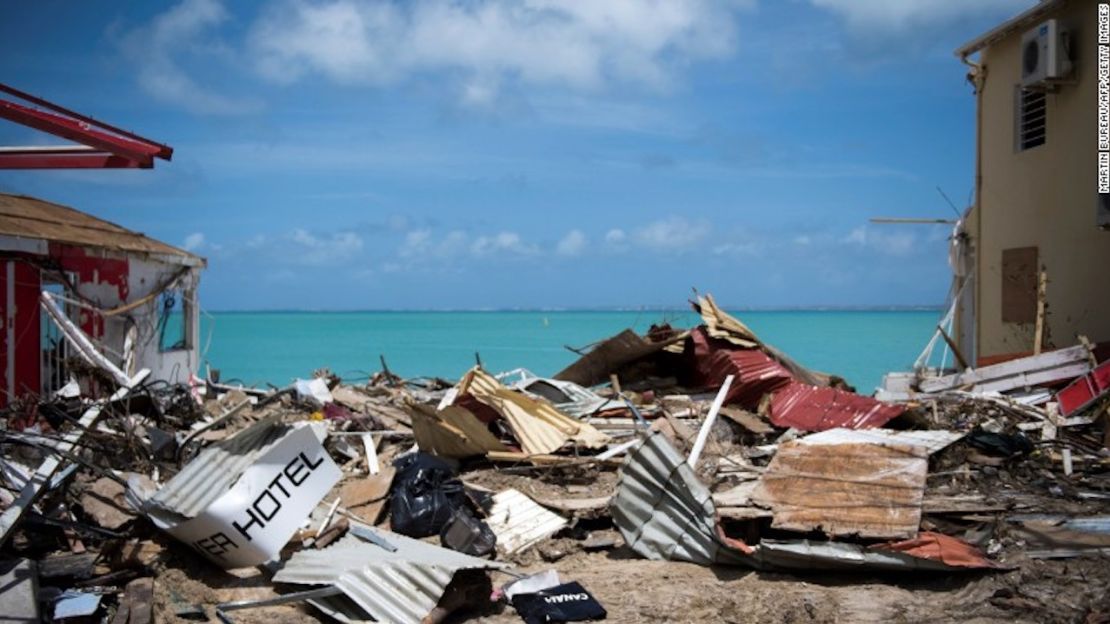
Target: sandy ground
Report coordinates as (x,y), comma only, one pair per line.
(636,590)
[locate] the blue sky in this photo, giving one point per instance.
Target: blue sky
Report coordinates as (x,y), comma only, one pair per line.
(359,154)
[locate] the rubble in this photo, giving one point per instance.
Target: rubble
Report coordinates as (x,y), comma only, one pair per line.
(699,447)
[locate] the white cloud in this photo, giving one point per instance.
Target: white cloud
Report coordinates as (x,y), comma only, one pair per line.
(878,18)
(615,236)
(802,240)
(573,244)
(671,234)
(312,250)
(155,47)
(581,45)
(510,242)
(891,243)
(194,241)
(422,248)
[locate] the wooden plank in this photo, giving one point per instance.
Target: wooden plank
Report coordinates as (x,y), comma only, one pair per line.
(1049,366)
(955,349)
(1034,378)
(37,484)
(1038,332)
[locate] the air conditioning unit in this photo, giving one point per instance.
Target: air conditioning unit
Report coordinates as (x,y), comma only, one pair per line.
(1044,54)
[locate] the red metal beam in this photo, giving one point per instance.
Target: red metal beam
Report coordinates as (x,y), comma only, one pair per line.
(86,160)
(100,145)
(78,132)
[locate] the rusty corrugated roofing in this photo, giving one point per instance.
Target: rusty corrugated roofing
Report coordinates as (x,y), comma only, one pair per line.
(756,372)
(814,408)
(32,218)
(866,490)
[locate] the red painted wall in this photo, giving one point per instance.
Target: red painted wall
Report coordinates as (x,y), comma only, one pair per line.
(93,269)
(24,329)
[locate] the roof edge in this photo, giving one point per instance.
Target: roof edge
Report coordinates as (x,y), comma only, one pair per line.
(171,255)
(1006,28)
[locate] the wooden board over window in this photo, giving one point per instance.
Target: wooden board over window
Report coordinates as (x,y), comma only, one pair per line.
(1019,285)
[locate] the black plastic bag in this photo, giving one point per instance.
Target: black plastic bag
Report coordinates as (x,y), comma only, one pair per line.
(1006,445)
(569,602)
(424,496)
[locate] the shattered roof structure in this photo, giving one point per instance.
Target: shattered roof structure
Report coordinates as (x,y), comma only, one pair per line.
(451,431)
(36,219)
(539,427)
(609,355)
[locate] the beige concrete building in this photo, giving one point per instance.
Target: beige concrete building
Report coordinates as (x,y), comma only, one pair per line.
(1036,206)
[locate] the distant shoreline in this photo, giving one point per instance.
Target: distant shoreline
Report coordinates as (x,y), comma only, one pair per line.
(737,309)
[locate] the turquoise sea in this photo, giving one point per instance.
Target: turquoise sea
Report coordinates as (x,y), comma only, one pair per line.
(275,347)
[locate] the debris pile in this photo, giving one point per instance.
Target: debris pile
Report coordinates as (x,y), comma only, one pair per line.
(411,500)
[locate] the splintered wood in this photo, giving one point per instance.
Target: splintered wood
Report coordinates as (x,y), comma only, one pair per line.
(869,490)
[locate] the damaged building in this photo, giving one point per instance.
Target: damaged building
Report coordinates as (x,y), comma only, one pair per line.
(133,297)
(1036,241)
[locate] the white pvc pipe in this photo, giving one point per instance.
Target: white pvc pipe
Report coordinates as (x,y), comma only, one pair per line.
(703,434)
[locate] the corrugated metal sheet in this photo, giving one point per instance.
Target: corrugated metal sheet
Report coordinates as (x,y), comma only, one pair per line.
(664,512)
(1050,536)
(539,427)
(518,522)
(28,217)
(567,396)
(216,469)
(869,490)
(931,441)
(930,552)
(401,586)
(724,327)
(756,372)
(451,432)
(813,408)
(721,325)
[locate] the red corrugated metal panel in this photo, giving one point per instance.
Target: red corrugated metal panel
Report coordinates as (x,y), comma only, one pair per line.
(756,372)
(793,404)
(811,408)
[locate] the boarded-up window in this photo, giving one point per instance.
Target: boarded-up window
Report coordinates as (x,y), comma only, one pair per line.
(1019,285)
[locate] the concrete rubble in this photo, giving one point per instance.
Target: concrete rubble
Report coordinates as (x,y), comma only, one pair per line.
(118,495)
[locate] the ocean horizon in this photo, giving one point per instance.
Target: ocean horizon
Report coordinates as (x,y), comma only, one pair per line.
(276,346)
